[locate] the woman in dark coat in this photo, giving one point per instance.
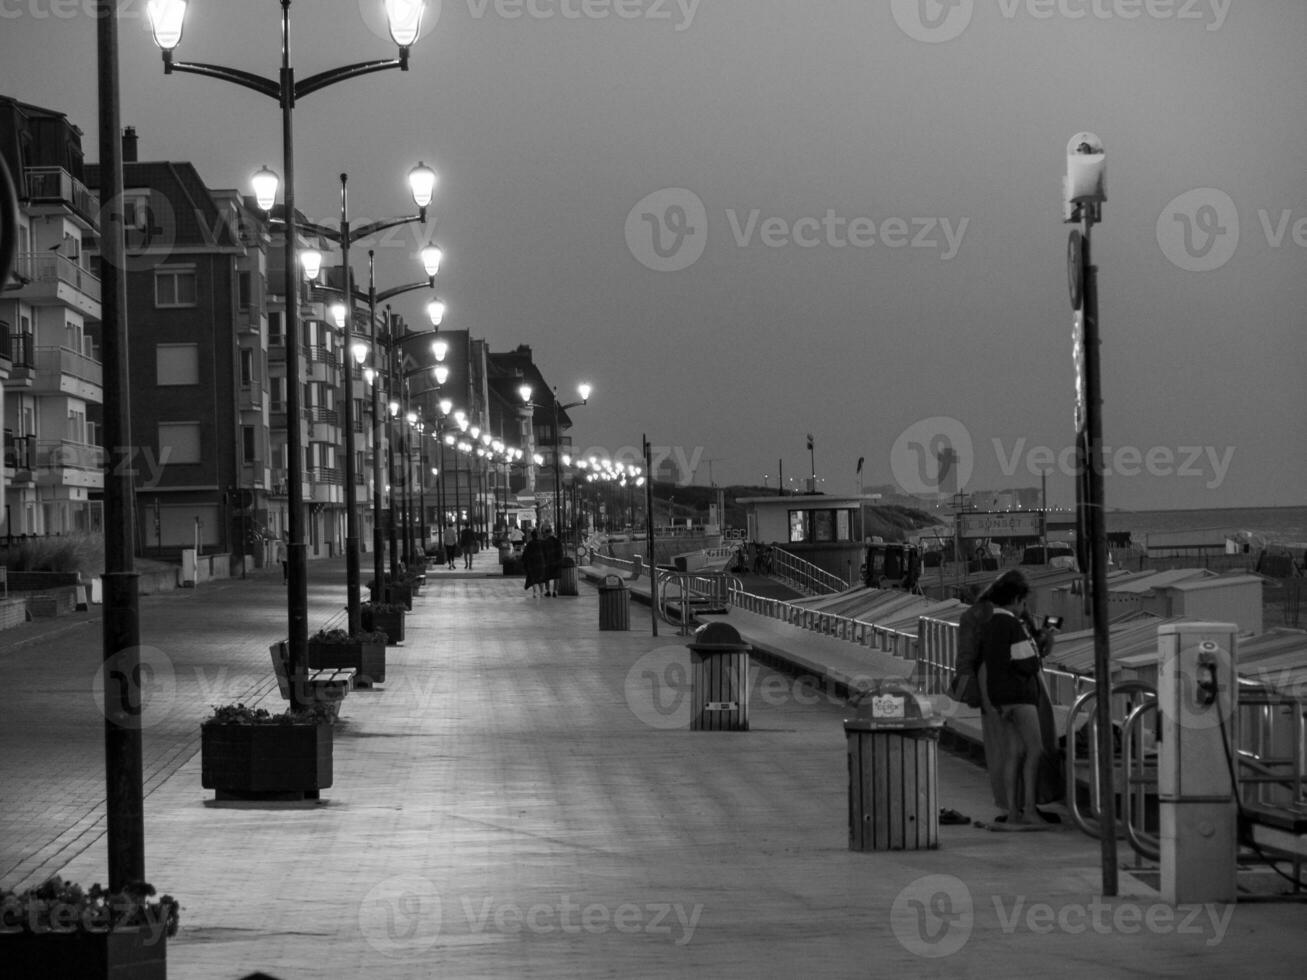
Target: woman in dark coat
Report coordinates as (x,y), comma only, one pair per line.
(533,560)
(553,549)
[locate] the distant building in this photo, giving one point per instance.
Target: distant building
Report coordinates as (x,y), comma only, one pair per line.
(49,327)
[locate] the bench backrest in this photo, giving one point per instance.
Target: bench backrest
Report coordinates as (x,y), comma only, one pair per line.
(280,656)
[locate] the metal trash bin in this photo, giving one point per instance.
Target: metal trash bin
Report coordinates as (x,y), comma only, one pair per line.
(719,675)
(567,578)
(614,604)
(893,771)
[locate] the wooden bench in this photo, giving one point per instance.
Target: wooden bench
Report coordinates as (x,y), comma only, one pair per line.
(327,686)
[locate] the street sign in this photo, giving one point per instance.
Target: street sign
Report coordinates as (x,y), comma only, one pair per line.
(1075,268)
(1002,525)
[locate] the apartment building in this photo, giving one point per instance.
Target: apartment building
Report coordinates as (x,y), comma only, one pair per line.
(49,321)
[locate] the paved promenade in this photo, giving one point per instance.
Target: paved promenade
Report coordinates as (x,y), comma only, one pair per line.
(522,798)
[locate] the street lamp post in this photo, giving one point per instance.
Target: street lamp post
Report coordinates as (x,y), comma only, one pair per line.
(405,22)
(422,182)
(584,391)
(432,256)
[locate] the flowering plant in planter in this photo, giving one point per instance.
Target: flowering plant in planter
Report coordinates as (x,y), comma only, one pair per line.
(338,636)
(57,906)
(383,608)
(365,652)
(242,714)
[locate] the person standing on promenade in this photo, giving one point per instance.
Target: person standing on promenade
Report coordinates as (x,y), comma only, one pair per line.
(281,557)
(533,560)
(553,549)
(467,543)
(1010,684)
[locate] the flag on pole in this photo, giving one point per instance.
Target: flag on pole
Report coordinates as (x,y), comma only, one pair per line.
(861,460)
(809,440)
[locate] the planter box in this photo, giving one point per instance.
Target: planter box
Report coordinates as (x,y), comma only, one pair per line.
(397,593)
(262,761)
(365,656)
(125,954)
(390,623)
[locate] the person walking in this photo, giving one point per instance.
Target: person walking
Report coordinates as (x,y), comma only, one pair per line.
(281,557)
(467,543)
(553,549)
(451,545)
(533,560)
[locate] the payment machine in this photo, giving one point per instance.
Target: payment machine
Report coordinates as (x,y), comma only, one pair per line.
(1197,700)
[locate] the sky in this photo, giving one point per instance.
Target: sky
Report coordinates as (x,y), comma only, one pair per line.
(744,221)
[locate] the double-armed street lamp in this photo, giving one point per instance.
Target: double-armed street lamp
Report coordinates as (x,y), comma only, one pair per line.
(584,391)
(404,18)
(422,182)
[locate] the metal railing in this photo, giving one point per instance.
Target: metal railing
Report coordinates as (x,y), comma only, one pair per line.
(804,575)
(64,454)
(692,593)
(898,643)
(57,184)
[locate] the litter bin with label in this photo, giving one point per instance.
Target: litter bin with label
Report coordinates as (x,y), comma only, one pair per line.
(893,743)
(567,577)
(614,604)
(719,678)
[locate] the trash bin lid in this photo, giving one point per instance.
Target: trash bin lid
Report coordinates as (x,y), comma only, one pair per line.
(612,582)
(717,638)
(892,706)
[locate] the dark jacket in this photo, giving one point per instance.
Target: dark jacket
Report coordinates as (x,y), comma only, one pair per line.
(553,549)
(533,560)
(1011,660)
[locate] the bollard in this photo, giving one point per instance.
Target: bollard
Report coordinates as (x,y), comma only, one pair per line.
(614,604)
(893,745)
(719,669)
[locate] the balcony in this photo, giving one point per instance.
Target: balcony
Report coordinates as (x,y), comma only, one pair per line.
(55,185)
(20,458)
(69,372)
(62,462)
(51,279)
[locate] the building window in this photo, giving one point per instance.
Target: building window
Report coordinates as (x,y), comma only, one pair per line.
(247,366)
(177,364)
(277,394)
(247,443)
(179,442)
(244,285)
(174,286)
(274,329)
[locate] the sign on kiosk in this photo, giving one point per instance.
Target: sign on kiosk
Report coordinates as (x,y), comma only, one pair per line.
(1002,525)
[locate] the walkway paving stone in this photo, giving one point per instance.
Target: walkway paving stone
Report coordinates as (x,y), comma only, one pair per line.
(517,800)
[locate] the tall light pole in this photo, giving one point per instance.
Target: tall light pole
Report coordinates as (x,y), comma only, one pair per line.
(120,628)
(584,391)
(1085,192)
(432,257)
(422,183)
(405,22)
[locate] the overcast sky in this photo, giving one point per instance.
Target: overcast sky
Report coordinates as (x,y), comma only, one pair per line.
(856,204)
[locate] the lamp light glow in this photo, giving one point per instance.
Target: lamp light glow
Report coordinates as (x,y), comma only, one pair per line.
(422,183)
(360,352)
(436,312)
(525,392)
(311,262)
(584,391)
(446,406)
(265,183)
(404,18)
(338,312)
(166,18)
(432,256)
(440,373)
(439,349)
